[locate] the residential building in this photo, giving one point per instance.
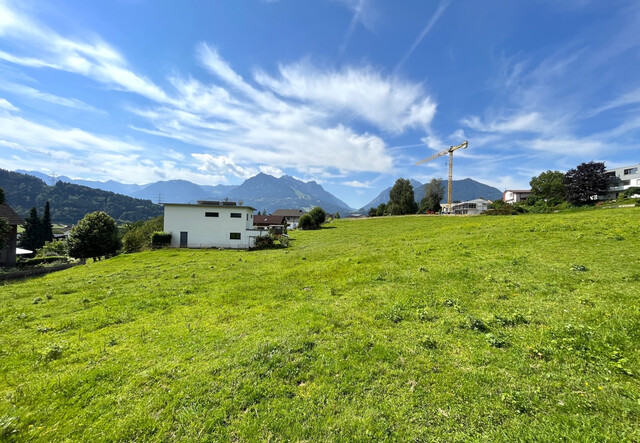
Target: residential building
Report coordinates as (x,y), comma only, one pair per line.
(211,224)
(621,179)
(470,207)
(269,220)
(292,216)
(512,196)
(8,254)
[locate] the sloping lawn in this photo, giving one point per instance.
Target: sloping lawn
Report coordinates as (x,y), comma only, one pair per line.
(521,328)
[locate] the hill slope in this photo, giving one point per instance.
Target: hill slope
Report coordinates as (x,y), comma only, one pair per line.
(69,202)
(487,329)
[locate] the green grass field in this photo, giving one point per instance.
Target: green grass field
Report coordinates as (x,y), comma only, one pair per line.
(412,328)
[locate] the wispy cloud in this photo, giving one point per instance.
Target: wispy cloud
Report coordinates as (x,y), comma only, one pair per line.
(30,92)
(432,21)
(358,184)
(5,104)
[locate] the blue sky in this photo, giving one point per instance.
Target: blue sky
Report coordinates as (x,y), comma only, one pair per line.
(350,93)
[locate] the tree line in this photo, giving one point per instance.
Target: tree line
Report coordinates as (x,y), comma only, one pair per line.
(402,199)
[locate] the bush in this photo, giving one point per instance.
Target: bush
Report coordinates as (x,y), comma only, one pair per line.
(629,193)
(94,236)
(263,242)
(306,223)
(53,248)
(318,215)
(159,238)
(41,260)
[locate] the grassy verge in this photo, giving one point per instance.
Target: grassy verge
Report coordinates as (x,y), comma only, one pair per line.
(404,328)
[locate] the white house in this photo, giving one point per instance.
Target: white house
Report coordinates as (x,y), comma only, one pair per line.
(470,207)
(621,179)
(512,196)
(210,224)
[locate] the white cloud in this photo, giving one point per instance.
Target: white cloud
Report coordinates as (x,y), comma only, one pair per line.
(272,170)
(221,166)
(48,49)
(530,122)
(358,184)
(5,104)
(387,102)
(30,92)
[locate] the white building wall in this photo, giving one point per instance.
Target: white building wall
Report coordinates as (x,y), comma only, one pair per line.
(210,232)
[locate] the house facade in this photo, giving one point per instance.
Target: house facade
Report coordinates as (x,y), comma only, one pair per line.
(8,254)
(470,207)
(512,196)
(210,224)
(292,216)
(621,179)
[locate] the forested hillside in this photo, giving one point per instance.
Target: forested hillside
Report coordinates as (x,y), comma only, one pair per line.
(69,202)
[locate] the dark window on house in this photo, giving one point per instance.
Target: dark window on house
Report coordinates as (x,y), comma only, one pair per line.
(630,171)
(236,215)
(235,236)
(211,214)
(472,206)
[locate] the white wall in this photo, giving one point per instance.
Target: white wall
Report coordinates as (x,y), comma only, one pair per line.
(210,232)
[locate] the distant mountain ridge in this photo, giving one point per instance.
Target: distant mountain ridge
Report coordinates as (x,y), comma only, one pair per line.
(263,192)
(462,190)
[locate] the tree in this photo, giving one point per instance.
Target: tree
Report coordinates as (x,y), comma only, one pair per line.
(318,215)
(382,208)
(372,211)
(32,236)
(548,186)
(401,198)
(3,199)
(434,193)
(585,182)
(94,236)
(306,222)
(45,225)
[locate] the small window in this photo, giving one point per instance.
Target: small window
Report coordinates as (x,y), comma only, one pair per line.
(236,215)
(235,236)
(211,214)
(630,171)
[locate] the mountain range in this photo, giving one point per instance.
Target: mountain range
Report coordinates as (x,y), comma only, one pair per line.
(263,192)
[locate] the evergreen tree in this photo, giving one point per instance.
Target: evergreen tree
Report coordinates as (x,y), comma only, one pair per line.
(401,198)
(3,199)
(47,229)
(32,236)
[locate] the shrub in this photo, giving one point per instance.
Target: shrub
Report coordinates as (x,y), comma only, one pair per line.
(263,242)
(41,260)
(94,236)
(53,248)
(318,215)
(160,238)
(306,222)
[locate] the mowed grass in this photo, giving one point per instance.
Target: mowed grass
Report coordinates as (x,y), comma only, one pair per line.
(415,328)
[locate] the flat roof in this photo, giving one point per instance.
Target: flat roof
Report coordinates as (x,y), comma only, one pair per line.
(194,205)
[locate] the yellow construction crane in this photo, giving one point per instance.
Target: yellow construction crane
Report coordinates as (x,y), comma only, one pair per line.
(441,153)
